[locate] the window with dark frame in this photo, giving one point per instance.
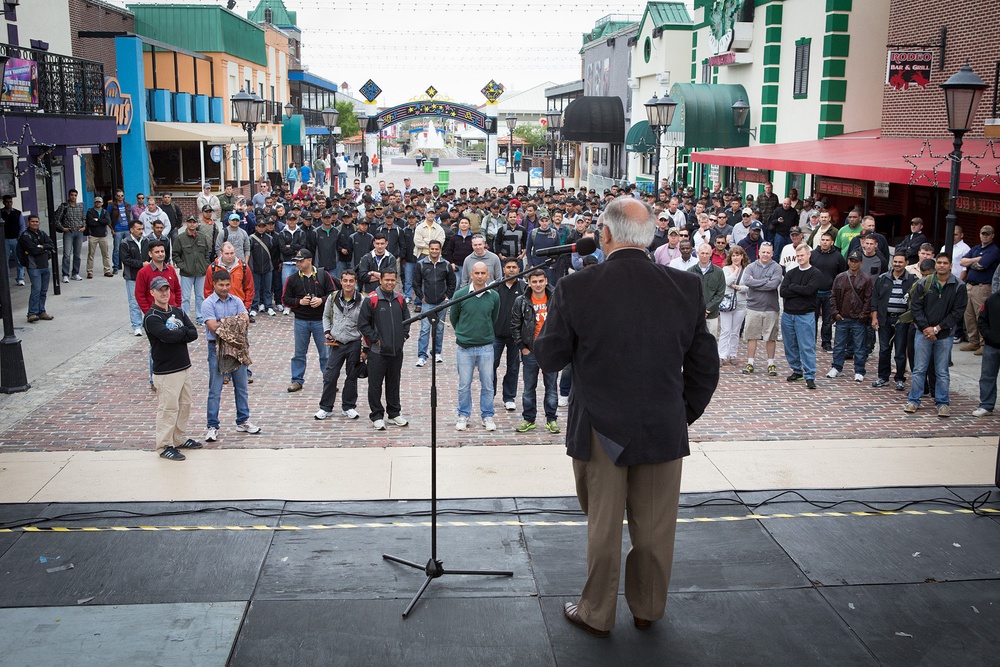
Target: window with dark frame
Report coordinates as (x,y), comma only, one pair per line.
(706,72)
(801,80)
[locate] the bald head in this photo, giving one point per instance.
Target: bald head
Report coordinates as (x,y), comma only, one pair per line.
(478,275)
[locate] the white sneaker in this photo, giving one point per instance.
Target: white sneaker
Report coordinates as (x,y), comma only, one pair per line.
(489,424)
(398,420)
(350,414)
(858,377)
(212,434)
(20,283)
(833,373)
(438,359)
(270,311)
(981,412)
(322,414)
(77,276)
(288,311)
(253,313)
(563,401)
(379,425)
(510,405)
(462,424)
(278,307)
(248,427)
(65,279)
(137,331)
(420,362)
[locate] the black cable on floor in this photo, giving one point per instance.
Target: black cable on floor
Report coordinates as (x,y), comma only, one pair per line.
(973,505)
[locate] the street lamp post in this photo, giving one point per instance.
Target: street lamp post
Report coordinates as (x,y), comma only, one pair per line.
(962,94)
(380,122)
(659,114)
(553,125)
(330,118)
(511,124)
(248,111)
(363,125)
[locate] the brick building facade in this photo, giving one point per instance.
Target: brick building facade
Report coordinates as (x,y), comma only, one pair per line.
(98,16)
(972,32)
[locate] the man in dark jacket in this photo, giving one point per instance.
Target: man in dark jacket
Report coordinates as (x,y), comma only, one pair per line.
(98,227)
(305,295)
(910,244)
(798,323)
(35,248)
(989,329)
(120,213)
(830,263)
(890,299)
(326,242)
(260,262)
(169,331)
(713,284)
(133,259)
(434,283)
(526,321)
(628,453)
(381,323)
(372,265)
(939,301)
(511,239)
(192,250)
(850,303)
(509,290)
(360,243)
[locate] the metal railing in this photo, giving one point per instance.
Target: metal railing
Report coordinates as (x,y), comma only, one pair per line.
(65,85)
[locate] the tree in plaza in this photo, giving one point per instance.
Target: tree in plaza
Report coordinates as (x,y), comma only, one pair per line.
(347,121)
(533,135)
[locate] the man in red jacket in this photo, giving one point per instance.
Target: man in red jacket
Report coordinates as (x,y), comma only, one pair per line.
(157,267)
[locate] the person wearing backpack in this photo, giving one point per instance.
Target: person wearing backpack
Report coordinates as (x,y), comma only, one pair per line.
(381,323)
(236,235)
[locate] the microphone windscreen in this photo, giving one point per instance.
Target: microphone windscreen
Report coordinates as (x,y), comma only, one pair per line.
(586,246)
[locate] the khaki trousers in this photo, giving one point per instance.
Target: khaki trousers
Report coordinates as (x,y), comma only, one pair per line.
(93,242)
(173,394)
(977,297)
(649,493)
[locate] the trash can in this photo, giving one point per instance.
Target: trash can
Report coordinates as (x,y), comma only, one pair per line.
(525,164)
(444,176)
(441,185)
(428,167)
(436,162)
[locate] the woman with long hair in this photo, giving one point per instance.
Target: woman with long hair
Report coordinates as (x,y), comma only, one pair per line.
(733,309)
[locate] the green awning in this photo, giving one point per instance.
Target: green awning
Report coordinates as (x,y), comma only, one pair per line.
(640,138)
(704,116)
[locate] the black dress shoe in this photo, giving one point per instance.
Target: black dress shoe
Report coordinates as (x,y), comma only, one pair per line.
(642,623)
(572,615)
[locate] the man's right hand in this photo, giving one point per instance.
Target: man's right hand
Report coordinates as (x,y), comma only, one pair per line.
(525,351)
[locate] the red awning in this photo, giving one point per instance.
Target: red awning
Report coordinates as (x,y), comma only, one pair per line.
(868,156)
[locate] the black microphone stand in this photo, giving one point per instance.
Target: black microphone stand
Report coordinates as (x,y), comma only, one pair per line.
(434,568)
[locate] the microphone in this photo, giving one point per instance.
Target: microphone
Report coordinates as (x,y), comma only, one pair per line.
(584,246)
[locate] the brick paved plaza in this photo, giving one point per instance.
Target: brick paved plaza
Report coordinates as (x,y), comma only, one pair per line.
(84,402)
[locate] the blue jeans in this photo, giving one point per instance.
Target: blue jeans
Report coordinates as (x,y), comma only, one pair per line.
(853,333)
(798,333)
(12,252)
(988,377)
(39,288)
(529,411)
(923,350)
(117,238)
(780,241)
(262,299)
(342,178)
(72,252)
(134,314)
(408,270)
(566,380)
(198,286)
(304,330)
(425,333)
(240,389)
(513,366)
(468,359)
(342,266)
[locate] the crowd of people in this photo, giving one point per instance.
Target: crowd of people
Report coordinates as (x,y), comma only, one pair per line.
(353,265)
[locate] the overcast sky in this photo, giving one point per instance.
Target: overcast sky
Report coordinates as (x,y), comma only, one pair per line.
(455,46)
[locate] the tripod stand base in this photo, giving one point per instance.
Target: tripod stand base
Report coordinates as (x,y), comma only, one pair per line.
(434,569)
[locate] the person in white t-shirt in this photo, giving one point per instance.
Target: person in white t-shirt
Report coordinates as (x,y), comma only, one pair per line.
(787,259)
(687,258)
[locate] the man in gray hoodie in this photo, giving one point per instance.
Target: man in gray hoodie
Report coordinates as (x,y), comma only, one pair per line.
(762,279)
